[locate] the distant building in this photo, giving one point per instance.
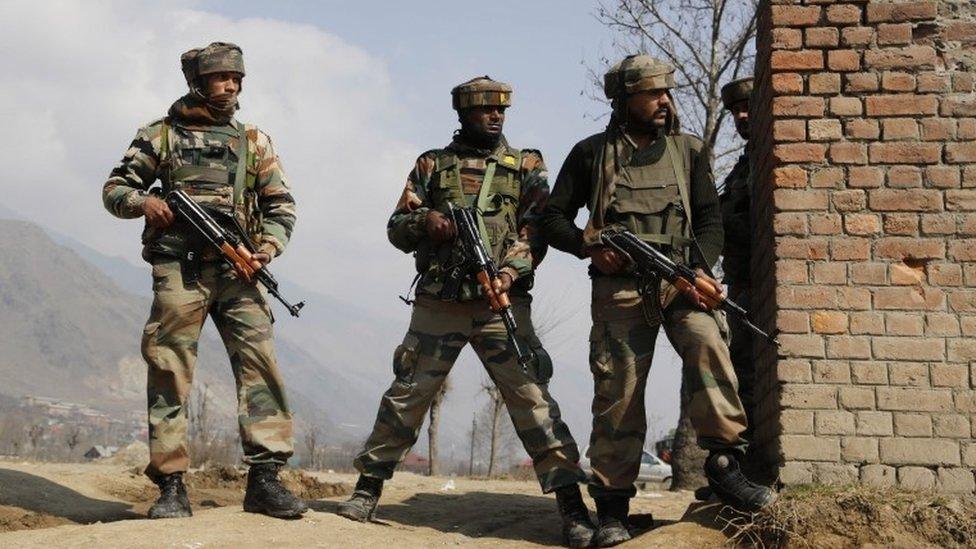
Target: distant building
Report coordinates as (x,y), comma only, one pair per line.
(99,452)
(415,463)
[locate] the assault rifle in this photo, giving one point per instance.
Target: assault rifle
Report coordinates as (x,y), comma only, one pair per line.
(651,262)
(480,263)
(236,251)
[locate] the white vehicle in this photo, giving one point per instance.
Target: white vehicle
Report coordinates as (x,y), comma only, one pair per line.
(652,470)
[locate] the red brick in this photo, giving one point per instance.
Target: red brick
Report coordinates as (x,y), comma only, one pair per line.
(825,223)
(787,39)
(904,177)
(865,177)
(830,273)
(788,83)
(853,299)
(901,224)
(905,153)
(941,324)
(798,106)
(938,224)
(861,128)
(791,271)
(969,176)
(806,297)
(824,83)
(898,81)
(908,348)
(958,105)
(962,250)
(848,153)
(827,178)
(899,128)
(799,200)
(825,129)
(801,248)
(933,82)
(961,31)
(961,153)
(822,37)
(801,60)
(861,82)
(899,248)
(947,274)
(913,200)
(901,104)
(862,224)
(850,249)
(894,34)
(800,152)
(942,177)
(901,11)
(848,201)
(963,82)
(901,274)
(963,301)
(792,322)
(966,128)
(960,200)
(844,14)
(844,60)
(909,57)
(905,324)
(789,223)
(848,347)
(938,129)
(829,322)
(869,273)
(790,177)
(856,36)
(789,130)
(845,106)
(911,298)
(795,16)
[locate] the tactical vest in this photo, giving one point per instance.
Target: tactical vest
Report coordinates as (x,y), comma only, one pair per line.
(652,201)
(217,167)
(497,200)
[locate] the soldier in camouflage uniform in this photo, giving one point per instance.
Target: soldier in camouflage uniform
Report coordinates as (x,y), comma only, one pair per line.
(642,174)
(232,169)
(737,253)
(509,187)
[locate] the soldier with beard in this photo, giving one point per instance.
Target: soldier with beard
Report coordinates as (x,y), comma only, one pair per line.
(232,169)
(643,175)
(509,188)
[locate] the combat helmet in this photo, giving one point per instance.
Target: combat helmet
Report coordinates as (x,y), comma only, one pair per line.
(637,73)
(217,57)
(481,91)
(735,91)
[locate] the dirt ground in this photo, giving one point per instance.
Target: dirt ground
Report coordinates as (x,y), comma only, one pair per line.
(103,505)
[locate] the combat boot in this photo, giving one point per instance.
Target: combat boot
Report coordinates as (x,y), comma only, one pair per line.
(612,513)
(578,529)
(362,505)
(265,493)
(731,486)
(173,501)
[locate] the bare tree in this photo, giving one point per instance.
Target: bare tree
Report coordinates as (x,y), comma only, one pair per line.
(312,445)
(72,436)
(496,408)
(433,462)
(709,42)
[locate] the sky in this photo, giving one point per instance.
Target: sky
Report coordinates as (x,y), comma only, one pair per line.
(350,92)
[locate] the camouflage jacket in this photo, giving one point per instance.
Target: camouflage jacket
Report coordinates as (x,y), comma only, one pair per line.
(266,209)
(737,252)
(517,196)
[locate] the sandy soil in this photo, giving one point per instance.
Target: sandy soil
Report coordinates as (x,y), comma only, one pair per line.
(92,505)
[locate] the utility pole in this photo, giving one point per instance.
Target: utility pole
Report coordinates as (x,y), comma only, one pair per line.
(474,426)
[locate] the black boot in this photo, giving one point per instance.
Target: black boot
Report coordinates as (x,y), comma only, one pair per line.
(612,513)
(362,505)
(172,502)
(727,481)
(265,493)
(578,529)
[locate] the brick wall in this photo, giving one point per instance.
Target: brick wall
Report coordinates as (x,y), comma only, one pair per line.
(865,212)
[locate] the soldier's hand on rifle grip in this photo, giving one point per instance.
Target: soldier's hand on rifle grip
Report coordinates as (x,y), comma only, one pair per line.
(710,295)
(157,212)
(440,228)
(607,260)
(503,283)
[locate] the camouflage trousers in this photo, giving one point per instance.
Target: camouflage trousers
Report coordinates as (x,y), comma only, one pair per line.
(169,346)
(438,331)
(743,360)
(621,349)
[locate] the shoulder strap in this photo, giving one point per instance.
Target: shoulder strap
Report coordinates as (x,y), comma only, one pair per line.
(164,161)
(240,175)
(682,176)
